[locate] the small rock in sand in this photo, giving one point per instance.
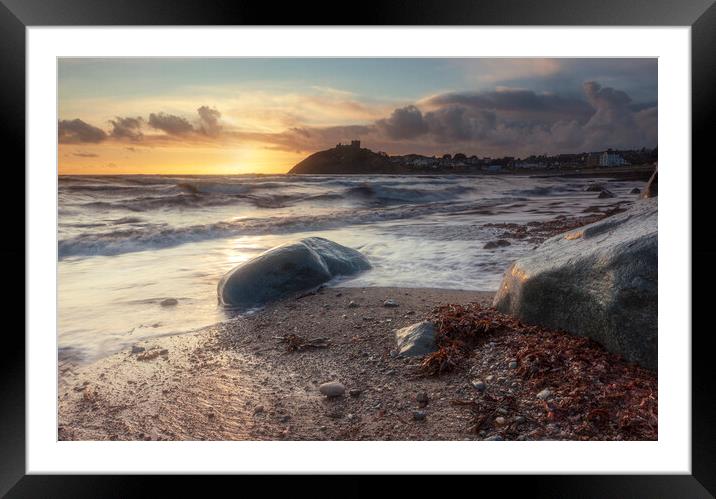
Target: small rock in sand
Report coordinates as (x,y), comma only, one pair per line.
(354,392)
(419,415)
(332,389)
(544,394)
(513,364)
(258,409)
(352,304)
(137,349)
(478,384)
(606,194)
(169,302)
(390,303)
(422,398)
(500,421)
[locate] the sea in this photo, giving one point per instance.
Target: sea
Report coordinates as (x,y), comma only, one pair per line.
(126,243)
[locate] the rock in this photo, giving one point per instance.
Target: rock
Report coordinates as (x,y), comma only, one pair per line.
(500,421)
(390,303)
(287,269)
(169,302)
(544,394)
(419,415)
(258,409)
(519,419)
(598,281)
(422,398)
(352,304)
(604,194)
(594,188)
(478,385)
(416,340)
(137,349)
(635,190)
(513,364)
(652,186)
(496,244)
(332,389)
(354,392)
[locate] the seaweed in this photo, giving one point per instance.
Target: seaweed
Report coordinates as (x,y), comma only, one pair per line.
(593,394)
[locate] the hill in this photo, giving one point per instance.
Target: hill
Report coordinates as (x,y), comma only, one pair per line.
(345,159)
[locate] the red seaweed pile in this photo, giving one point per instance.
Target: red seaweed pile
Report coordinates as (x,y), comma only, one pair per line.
(544,384)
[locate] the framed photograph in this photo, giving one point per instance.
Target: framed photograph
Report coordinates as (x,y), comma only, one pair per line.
(426,241)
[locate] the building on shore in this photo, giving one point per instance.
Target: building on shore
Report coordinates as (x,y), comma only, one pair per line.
(609,158)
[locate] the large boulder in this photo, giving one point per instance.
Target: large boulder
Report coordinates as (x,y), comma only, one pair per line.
(287,269)
(598,281)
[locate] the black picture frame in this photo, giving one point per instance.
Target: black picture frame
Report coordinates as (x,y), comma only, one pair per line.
(700,15)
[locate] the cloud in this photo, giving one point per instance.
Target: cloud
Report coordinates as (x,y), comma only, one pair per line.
(500,121)
(77,131)
(170,124)
(404,123)
(209,121)
(127,128)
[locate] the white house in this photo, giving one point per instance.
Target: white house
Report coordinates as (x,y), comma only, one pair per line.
(611,159)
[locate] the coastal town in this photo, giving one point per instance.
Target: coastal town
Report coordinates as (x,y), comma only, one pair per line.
(352,158)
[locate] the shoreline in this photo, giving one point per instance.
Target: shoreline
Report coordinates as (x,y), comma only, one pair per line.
(237,380)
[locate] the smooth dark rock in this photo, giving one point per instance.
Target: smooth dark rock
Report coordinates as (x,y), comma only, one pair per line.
(598,281)
(416,340)
(419,415)
(288,269)
(604,194)
(594,188)
(169,302)
(635,190)
(496,244)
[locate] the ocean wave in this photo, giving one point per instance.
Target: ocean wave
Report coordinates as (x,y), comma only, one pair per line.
(157,236)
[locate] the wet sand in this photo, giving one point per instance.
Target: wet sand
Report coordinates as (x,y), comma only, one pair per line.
(237,381)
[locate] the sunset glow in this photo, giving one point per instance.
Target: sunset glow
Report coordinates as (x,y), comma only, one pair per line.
(233,116)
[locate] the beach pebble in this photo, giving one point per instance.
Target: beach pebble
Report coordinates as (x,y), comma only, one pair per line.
(390,303)
(544,394)
(500,421)
(635,190)
(352,304)
(169,302)
(513,364)
(332,389)
(258,409)
(419,415)
(519,419)
(478,384)
(605,194)
(490,378)
(354,392)
(422,398)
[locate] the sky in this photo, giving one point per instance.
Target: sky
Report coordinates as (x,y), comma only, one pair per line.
(263,115)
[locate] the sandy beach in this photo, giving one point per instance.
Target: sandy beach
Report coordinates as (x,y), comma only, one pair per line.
(240,381)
